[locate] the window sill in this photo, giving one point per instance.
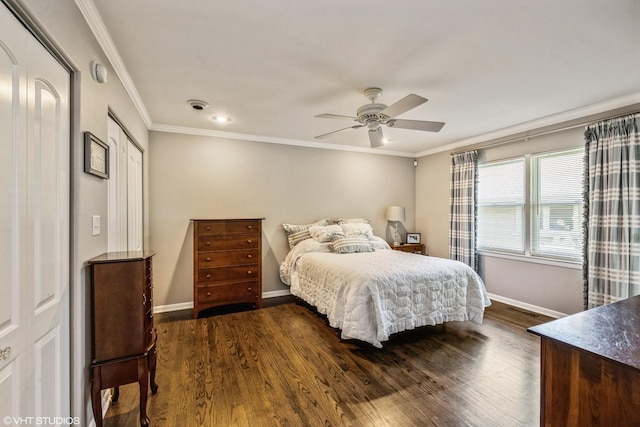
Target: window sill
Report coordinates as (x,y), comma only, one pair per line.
(534,260)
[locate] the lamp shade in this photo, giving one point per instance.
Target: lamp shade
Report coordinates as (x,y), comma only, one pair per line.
(395,213)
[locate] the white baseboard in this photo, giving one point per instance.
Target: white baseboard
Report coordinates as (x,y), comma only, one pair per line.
(189,305)
(172,307)
(275,294)
(527,306)
(285,292)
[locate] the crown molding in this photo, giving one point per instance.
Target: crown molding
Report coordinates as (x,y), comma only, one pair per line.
(273,140)
(587,114)
(94,20)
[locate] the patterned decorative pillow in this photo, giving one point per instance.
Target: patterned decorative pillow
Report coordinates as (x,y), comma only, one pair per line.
(350,244)
(357,229)
(298,233)
(353,221)
(324,234)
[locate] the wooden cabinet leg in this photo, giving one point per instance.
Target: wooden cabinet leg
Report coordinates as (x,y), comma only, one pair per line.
(96,398)
(143,383)
(153,358)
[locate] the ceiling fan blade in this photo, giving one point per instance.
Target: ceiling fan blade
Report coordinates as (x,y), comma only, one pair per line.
(325,135)
(405,104)
(415,125)
(375,137)
(335,116)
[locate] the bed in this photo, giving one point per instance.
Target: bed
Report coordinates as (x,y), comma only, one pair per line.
(369,291)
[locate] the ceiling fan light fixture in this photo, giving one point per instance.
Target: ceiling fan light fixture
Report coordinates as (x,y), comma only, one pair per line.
(374,114)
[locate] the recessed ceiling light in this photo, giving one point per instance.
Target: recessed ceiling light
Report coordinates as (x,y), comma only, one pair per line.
(221,119)
(197,104)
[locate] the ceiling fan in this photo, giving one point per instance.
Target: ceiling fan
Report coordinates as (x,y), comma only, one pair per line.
(373,115)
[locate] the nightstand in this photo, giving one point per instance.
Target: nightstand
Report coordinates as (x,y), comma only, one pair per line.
(416,248)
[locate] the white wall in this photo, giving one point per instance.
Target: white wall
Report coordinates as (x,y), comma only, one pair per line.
(550,287)
(432,203)
(206,177)
(64,25)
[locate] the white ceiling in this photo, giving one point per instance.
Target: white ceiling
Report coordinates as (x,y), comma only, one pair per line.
(273,65)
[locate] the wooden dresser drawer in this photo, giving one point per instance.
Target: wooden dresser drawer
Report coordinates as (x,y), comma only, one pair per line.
(228,274)
(216,228)
(228,293)
(222,258)
(227,262)
(222,243)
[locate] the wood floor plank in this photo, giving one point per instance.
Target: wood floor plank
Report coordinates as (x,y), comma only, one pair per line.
(284,366)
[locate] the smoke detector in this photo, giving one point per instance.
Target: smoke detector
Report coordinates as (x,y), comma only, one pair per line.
(197,104)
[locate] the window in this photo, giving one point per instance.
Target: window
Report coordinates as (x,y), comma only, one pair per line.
(543,219)
(501,204)
(556,204)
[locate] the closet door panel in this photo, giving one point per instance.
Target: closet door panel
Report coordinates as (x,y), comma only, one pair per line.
(13,112)
(47,226)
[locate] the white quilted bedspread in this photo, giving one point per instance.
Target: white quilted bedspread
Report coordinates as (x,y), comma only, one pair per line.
(374,294)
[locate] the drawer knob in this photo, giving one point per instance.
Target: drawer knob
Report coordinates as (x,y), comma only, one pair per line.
(208,228)
(249,256)
(248,289)
(249,241)
(208,258)
(249,272)
(208,276)
(208,294)
(208,243)
(249,227)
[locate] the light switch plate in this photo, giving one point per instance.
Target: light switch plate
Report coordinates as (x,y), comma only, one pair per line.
(96,225)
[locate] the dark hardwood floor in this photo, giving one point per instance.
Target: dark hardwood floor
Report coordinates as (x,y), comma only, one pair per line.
(283,365)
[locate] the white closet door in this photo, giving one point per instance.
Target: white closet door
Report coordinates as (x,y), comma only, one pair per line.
(13,108)
(34,229)
(125,191)
(134,199)
(117,200)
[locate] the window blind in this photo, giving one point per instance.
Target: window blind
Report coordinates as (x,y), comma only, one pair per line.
(501,204)
(557,204)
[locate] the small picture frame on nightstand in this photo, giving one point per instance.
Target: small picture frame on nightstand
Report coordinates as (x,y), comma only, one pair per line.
(413,238)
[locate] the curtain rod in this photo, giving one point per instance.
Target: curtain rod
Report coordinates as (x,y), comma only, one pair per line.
(584,123)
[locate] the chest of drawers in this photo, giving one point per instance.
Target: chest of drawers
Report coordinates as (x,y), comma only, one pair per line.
(123,336)
(227,262)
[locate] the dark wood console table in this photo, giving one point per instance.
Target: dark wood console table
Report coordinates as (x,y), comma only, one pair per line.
(123,339)
(590,367)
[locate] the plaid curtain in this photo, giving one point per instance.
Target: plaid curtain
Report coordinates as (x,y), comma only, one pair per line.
(462,214)
(612,234)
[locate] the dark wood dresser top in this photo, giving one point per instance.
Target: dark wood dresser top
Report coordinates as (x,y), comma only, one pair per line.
(121,256)
(228,219)
(611,331)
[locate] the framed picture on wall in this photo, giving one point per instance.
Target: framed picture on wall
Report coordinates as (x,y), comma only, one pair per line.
(413,238)
(96,156)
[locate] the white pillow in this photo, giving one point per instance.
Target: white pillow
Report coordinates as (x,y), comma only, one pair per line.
(379,243)
(350,244)
(297,233)
(357,229)
(324,234)
(353,220)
